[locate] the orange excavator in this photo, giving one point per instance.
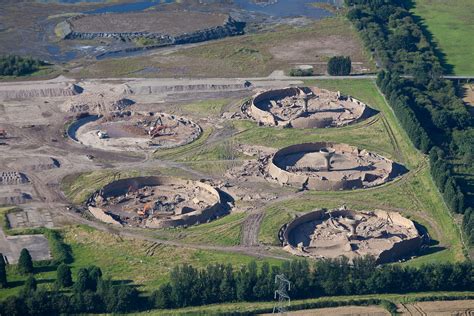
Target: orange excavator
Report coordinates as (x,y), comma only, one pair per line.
(147,207)
(3,133)
(157,128)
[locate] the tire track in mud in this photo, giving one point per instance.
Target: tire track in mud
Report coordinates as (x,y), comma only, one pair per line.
(250,228)
(393,140)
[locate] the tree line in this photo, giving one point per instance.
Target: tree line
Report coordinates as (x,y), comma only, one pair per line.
(427,106)
(13,65)
(217,283)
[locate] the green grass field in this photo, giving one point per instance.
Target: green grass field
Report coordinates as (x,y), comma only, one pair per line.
(452,25)
(144,263)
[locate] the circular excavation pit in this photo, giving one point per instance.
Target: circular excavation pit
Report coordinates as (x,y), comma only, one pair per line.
(306,108)
(156,202)
(131,131)
(329,166)
(387,236)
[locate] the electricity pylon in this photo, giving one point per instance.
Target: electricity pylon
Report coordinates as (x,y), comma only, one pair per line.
(283,286)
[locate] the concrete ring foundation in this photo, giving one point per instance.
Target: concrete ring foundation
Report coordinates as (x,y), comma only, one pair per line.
(388,236)
(131,131)
(156,202)
(328,166)
(306,108)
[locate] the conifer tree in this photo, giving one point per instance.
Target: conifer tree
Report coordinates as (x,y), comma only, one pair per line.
(3,272)
(25,263)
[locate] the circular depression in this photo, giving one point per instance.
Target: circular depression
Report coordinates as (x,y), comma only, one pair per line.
(303,107)
(156,202)
(387,236)
(329,166)
(130,131)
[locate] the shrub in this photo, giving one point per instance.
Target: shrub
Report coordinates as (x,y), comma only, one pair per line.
(339,66)
(298,72)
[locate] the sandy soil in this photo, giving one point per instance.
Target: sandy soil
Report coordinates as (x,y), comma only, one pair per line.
(438,308)
(371,168)
(308,49)
(342,311)
(356,234)
(131,134)
(310,105)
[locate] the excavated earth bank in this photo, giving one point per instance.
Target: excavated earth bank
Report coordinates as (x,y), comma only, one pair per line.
(302,107)
(328,166)
(388,236)
(130,131)
(156,202)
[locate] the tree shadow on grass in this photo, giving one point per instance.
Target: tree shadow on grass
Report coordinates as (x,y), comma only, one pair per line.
(127,282)
(19,283)
(45,268)
(448,68)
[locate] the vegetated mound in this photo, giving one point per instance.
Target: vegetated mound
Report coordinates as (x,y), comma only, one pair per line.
(329,166)
(27,90)
(130,131)
(156,202)
(388,236)
(305,108)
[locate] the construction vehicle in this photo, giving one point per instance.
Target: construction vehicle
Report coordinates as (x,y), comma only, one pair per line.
(3,133)
(102,135)
(147,207)
(156,128)
(156,131)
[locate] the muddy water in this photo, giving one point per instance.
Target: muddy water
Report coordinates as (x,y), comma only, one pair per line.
(276,8)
